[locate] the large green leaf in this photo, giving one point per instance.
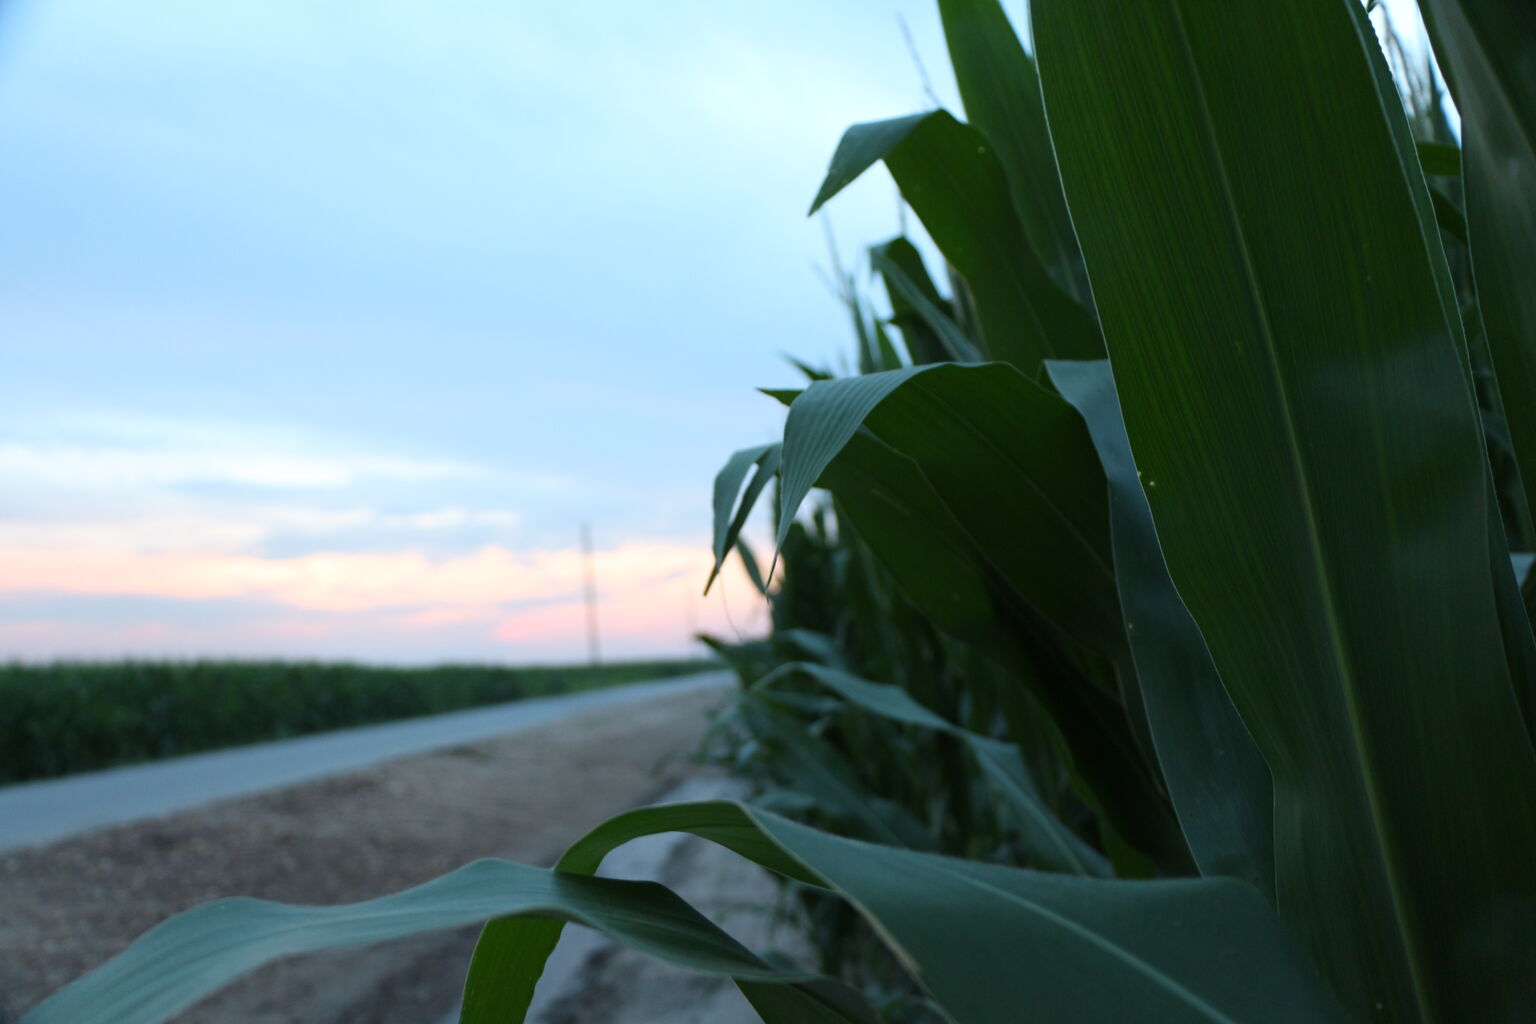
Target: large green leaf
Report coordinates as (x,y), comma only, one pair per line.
(1059,948)
(995,943)
(1488,51)
(981,493)
(1216,777)
(1001,92)
(892,509)
(195,953)
(1050,843)
(1297,404)
(1012,461)
(952,178)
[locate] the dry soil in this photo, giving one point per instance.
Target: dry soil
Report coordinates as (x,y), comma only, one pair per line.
(66,907)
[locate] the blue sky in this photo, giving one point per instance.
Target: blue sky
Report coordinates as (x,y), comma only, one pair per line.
(324,325)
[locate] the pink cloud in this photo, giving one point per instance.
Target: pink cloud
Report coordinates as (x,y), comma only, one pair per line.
(493,602)
(351,581)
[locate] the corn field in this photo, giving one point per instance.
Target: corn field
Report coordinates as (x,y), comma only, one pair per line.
(68,717)
(1152,612)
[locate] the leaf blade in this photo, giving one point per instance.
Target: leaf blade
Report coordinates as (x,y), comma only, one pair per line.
(949,174)
(1166,952)
(1291,384)
(195,952)
(1217,779)
(1001,92)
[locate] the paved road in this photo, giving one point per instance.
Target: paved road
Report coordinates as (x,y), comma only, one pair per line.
(40,812)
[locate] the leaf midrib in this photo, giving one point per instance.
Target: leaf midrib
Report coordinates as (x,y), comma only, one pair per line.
(1106,945)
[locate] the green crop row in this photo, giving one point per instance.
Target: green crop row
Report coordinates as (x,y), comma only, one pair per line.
(79,716)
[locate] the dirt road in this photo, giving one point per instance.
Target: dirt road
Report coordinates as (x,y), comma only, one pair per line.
(66,907)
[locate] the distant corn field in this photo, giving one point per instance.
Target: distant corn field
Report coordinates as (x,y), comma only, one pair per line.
(79,716)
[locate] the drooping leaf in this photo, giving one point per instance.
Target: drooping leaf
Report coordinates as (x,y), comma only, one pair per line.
(956,551)
(1295,396)
(196,952)
(749,563)
(763,462)
(981,937)
(860,148)
(1216,777)
(952,179)
(1003,452)
(896,511)
(1053,846)
(1069,949)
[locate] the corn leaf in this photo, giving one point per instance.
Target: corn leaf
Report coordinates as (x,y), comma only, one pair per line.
(1296,399)
(1488,51)
(918,309)
(821,771)
(981,493)
(196,952)
(951,177)
(1219,783)
(763,463)
(1050,843)
(1002,452)
(1001,92)
(981,937)
(916,303)
(896,511)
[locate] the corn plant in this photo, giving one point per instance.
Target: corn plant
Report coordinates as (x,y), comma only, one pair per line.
(1199,484)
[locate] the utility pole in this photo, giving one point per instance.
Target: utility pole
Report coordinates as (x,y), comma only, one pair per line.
(593,648)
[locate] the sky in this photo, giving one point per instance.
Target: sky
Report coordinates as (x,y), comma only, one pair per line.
(324,326)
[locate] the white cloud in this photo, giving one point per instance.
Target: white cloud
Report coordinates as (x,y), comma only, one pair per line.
(491,603)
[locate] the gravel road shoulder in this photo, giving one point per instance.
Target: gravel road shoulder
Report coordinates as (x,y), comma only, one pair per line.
(68,906)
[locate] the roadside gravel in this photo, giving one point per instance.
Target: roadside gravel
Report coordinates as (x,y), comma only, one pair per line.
(68,906)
